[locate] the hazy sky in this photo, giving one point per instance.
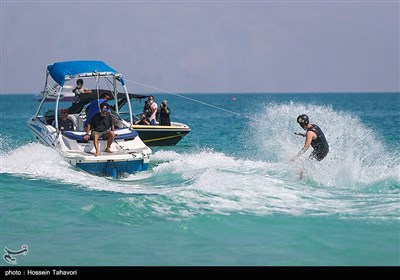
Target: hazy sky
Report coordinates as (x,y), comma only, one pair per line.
(208,46)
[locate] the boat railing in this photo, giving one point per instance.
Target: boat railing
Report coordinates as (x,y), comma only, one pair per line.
(52,90)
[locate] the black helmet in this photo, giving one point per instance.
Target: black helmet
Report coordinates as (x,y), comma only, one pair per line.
(303,121)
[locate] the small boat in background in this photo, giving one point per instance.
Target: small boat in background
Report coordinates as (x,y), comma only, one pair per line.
(156,135)
(160,135)
(52,94)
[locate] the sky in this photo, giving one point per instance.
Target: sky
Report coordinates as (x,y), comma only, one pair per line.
(208,46)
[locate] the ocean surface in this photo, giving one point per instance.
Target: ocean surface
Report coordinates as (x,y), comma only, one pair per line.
(225,195)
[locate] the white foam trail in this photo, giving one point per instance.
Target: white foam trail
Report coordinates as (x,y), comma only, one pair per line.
(38,161)
(222,184)
(203,181)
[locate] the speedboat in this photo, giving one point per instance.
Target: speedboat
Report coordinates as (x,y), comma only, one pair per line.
(156,135)
(129,154)
(161,135)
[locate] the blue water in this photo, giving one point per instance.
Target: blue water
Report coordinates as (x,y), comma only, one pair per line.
(225,195)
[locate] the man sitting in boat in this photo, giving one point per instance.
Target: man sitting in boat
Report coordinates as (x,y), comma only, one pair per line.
(94,107)
(64,124)
(143,120)
(102,126)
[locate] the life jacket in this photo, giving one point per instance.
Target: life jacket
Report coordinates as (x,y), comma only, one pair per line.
(319,144)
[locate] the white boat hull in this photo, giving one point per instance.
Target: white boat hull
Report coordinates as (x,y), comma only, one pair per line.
(127,157)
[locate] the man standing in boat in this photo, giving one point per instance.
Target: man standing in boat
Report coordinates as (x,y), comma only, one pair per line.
(153,109)
(102,126)
(164,112)
(80,89)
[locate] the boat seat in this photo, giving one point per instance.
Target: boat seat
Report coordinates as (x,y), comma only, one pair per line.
(78,122)
(120,134)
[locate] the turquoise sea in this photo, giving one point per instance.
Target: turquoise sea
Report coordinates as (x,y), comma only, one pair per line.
(225,195)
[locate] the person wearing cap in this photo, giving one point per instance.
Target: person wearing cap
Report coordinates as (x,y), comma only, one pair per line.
(164,113)
(79,89)
(64,124)
(102,126)
(314,138)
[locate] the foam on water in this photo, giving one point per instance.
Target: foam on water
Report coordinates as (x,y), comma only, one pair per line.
(358,179)
(38,161)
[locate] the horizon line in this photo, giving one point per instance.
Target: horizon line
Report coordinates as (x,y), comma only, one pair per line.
(294,92)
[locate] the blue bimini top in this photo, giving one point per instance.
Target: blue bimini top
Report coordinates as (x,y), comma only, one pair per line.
(65,70)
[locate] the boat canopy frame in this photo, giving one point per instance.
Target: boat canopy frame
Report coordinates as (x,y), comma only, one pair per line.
(62,72)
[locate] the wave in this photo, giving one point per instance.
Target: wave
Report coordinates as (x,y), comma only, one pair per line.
(205,182)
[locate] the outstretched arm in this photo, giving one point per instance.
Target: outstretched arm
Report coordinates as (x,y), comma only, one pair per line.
(309,137)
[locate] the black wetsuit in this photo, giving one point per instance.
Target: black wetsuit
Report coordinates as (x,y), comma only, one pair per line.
(320,145)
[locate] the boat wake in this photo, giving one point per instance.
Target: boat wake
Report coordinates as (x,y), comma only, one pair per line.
(359,178)
(184,185)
